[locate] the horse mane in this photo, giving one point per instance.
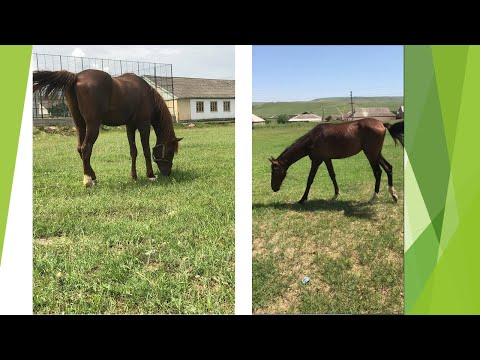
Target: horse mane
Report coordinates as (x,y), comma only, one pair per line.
(163,116)
(291,145)
(299,140)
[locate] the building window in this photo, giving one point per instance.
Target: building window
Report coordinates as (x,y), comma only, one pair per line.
(199,106)
(213,106)
(226,106)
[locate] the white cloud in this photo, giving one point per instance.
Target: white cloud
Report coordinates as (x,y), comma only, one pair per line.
(168,51)
(78,52)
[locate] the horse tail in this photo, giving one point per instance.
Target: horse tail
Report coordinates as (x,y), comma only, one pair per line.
(396,131)
(53,83)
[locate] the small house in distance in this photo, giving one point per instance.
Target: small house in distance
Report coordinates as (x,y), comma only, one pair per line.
(379,113)
(257,120)
(306,117)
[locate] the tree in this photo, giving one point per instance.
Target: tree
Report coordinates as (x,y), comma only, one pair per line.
(282,119)
(58,110)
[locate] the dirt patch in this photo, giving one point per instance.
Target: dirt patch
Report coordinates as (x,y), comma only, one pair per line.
(152,266)
(283,303)
(258,247)
(52,241)
(393,257)
(357,269)
(59,129)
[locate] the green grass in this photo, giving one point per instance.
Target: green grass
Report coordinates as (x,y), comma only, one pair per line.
(134,247)
(352,251)
(266,109)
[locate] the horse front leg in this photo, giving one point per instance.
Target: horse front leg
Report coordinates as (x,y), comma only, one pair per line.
(331,172)
(144,137)
(133,150)
(89,177)
(311,176)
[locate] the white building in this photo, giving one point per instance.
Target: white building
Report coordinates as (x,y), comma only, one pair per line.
(197,99)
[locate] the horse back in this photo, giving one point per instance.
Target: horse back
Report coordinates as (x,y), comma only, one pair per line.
(112,100)
(338,141)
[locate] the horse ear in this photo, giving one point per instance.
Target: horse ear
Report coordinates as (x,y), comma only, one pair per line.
(272,160)
(178,139)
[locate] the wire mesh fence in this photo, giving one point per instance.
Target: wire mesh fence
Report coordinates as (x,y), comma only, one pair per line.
(157,75)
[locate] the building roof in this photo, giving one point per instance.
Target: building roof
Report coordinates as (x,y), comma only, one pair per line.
(306,116)
(257,119)
(373,112)
(187,88)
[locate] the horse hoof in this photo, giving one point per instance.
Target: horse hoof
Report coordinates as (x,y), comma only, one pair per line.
(152,178)
(94,182)
(374,198)
(87,181)
(301,201)
(392,192)
(335,197)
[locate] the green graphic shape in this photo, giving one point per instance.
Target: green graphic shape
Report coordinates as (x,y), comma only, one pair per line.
(15,64)
(442,142)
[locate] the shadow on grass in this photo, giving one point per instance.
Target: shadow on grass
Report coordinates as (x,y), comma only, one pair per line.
(349,208)
(177,176)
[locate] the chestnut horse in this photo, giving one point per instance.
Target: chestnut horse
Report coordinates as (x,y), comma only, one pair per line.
(330,141)
(95,98)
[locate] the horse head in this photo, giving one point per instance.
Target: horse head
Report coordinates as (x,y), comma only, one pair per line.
(163,154)
(278,173)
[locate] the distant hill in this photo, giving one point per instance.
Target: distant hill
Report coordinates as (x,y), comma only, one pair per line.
(266,109)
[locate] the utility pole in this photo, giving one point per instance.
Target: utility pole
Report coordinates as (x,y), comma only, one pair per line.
(351,102)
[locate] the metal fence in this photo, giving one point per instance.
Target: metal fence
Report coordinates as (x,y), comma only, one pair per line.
(156,74)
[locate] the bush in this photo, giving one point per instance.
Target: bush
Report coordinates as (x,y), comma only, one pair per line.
(282,119)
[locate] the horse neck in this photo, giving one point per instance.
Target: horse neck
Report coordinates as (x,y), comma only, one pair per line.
(163,125)
(294,153)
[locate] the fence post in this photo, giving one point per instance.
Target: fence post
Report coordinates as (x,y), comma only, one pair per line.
(40,96)
(173,94)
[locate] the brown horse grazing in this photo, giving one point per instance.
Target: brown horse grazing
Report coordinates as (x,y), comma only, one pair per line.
(95,98)
(329,141)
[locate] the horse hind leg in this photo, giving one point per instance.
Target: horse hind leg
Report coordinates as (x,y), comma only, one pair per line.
(81,130)
(388,168)
(144,137)
(133,151)
(89,177)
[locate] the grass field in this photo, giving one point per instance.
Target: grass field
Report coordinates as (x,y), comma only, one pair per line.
(134,247)
(352,251)
(316,106)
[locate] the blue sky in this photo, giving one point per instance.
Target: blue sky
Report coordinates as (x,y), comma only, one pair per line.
(297,73)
